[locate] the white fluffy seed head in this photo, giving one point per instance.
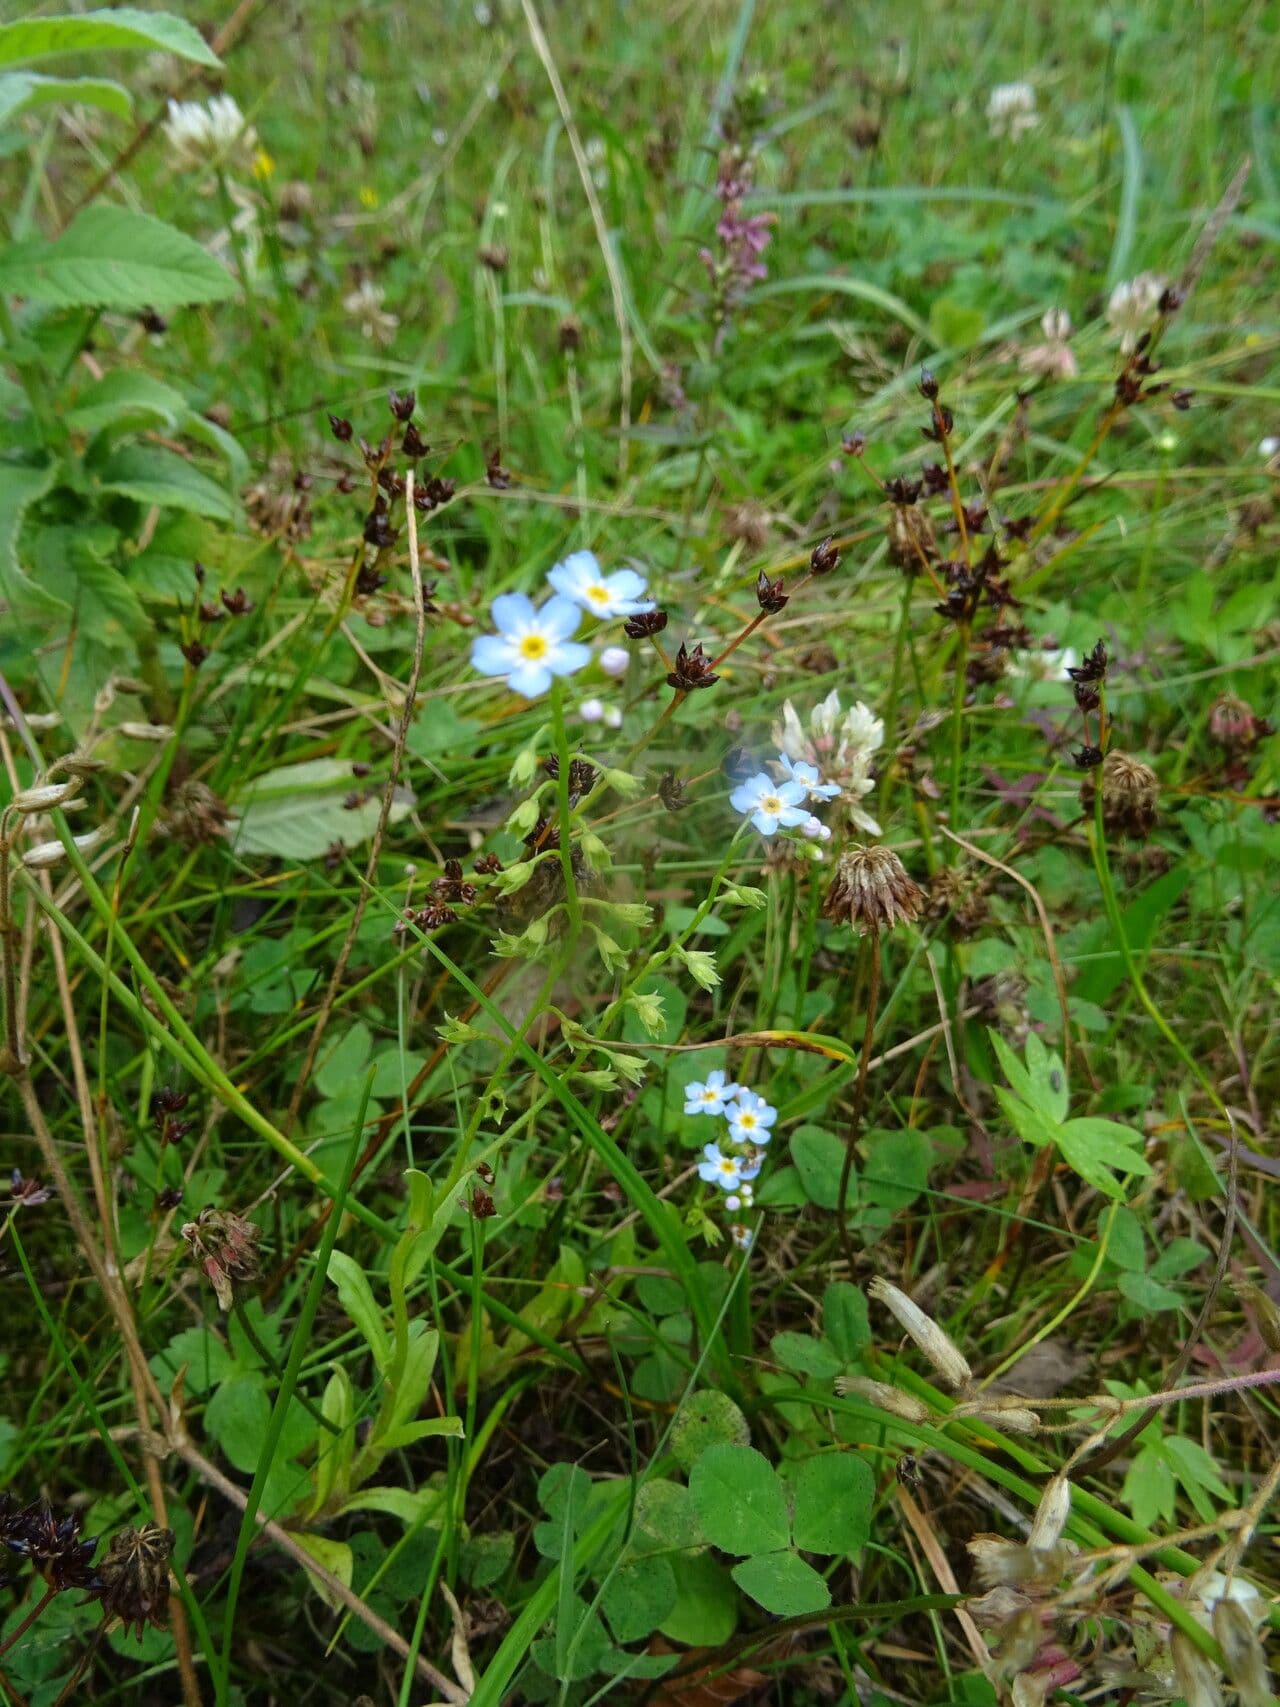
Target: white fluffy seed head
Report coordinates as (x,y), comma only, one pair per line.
(942,1352)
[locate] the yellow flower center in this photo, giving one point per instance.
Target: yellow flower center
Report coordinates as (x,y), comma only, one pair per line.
(771,803)
(598,595)
(747,1119)
(533,646)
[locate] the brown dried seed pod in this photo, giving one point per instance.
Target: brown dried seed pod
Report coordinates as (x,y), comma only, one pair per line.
(1130,794)
(871,891)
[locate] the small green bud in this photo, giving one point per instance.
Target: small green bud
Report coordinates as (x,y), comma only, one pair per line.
(623,783)
(458,1031)
(512,877)
(627,912)
(599,1078)
(742,895)
(700,965)
(576,1036)
(524,817)
(631,1067)
(611,952)
(524,767)
(647,1007)
(594,851)
(525,946)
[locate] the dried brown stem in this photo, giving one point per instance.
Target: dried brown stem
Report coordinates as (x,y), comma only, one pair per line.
(384,818)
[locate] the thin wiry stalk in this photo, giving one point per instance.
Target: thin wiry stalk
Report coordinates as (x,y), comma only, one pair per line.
(384,816)
(859,1095)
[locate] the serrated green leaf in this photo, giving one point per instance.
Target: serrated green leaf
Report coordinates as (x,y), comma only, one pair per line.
(1093,1148)
(1027,1122)
(111,257)
(237,1417)
(1149,1488)
(783,1584)
(113,29)
(152,475)
(740,1502)
(1012,1068)
(22,90)
(297,811)
(1047,1078)
(20,486)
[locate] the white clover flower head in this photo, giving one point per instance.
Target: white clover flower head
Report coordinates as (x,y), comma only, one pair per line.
(1054,359)
(1131,306)
(581,579)
(802,771)
(207,134)
(719,1169)
(750,1118)
(1011,110)
(789,736)
(591,711)
(835,741)
(742,1236)
(365,304)
(770,805)
(531,646)
(613,660)
(710,1095)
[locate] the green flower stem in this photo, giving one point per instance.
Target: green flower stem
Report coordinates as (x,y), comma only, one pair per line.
(659,1219)
(573,904)
(660,956)
(957,735)
(895,690)
(178,1038)
(299,1341)
(1098,847)
(1091,1518)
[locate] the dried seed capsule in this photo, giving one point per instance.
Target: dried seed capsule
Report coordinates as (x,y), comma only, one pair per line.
(942,1352)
